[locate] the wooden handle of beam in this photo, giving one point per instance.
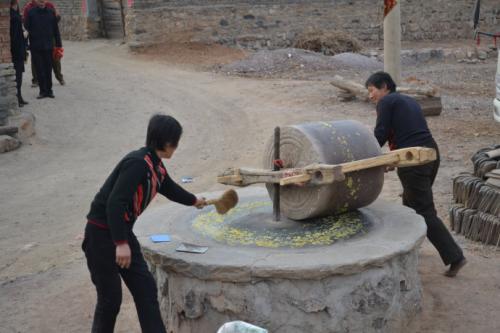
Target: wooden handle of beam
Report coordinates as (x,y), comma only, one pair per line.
(320,174)
(304,178)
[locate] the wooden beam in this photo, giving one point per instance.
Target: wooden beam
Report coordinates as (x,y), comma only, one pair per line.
(427,96)
(360,91)
(320,174)
(431,106)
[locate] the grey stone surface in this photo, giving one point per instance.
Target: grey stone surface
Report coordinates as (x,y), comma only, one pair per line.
(482,55)
(366,284)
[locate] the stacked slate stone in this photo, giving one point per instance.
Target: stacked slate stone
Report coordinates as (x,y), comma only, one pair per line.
(476,212)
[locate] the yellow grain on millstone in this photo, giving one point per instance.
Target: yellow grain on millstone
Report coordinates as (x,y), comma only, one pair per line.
(325,231)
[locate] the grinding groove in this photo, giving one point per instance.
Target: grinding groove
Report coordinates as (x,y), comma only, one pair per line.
(251,224)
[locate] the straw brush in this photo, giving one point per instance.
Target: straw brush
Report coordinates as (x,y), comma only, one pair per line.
(227,200)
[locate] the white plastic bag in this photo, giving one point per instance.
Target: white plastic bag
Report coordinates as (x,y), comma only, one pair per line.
(240,327)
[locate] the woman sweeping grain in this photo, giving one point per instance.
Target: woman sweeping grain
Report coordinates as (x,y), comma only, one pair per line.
(110,246)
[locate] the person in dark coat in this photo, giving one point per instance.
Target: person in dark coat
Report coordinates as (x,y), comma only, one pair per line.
(401,123)
(112,250)
(41,23)
(17,48)
(56,61)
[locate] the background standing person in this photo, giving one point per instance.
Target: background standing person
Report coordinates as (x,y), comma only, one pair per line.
(401,123)
(17,48)
(110,246)
(56,61)
(43,30)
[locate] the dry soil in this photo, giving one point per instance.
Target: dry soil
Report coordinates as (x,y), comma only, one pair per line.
(101,114)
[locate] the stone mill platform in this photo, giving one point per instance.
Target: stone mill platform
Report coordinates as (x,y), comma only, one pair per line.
(355,274)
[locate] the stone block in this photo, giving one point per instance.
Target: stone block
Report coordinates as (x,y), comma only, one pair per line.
(482,55)
(25,121)
(8,143)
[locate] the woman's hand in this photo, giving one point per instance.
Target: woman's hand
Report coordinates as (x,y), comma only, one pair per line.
(200,202)
(123,255)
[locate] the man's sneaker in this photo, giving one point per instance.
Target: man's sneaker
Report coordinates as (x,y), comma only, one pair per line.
(455,267)
(61,82)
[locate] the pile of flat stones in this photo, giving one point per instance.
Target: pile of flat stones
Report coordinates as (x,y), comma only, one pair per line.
(15,130)
(476,212)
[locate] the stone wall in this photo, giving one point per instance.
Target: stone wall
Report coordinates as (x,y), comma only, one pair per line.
(385,298)
(79,19)
(7,73)
(257,23)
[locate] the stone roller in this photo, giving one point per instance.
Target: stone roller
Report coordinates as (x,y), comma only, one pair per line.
(326,143)
(329,168)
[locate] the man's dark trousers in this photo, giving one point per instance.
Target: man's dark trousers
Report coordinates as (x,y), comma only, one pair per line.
(417,194)
(42,60)
(105,273)
(56,65)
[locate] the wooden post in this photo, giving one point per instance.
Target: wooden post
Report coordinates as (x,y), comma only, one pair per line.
(276,197)
(392,39)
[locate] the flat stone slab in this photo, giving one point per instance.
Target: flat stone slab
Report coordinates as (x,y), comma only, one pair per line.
(8,143)
(393,230)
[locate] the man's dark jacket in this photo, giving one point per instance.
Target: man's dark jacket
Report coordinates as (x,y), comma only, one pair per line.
(43,30)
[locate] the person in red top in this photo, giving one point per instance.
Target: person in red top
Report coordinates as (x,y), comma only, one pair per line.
(56,64)
(33,3)
(43,33)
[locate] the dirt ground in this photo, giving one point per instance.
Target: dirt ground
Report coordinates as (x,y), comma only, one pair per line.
(101,114)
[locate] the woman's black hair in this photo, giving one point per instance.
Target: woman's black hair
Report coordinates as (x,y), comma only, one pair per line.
(381,79)
(13,2)
(163,130)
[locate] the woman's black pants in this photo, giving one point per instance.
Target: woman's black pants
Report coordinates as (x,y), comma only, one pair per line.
(417,194)
(105,273)
(19,67)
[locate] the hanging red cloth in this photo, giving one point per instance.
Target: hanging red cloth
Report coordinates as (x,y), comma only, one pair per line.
(389,5)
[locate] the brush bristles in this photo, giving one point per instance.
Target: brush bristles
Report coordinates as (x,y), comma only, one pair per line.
(227,201)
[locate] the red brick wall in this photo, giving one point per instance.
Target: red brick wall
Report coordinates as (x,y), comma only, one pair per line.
(4,32)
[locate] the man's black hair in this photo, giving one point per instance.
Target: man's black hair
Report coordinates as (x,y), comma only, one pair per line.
(163,129)
(381,79)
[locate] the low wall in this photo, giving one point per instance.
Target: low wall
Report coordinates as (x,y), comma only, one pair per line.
(264,23)
(7,73)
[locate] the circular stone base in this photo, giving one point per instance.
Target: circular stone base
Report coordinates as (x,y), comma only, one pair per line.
(367,283)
